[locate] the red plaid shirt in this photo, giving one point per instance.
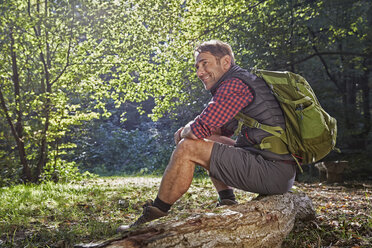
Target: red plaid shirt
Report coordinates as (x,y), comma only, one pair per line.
(231,97)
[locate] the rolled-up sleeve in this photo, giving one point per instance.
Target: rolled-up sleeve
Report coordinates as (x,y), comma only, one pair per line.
(231,97)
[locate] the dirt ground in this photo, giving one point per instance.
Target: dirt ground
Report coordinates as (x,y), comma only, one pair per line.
(344,216)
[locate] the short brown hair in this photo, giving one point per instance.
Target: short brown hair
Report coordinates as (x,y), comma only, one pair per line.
(216,48)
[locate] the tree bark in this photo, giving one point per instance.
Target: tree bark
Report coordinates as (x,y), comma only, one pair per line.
(264,222)
(366,105)
(18,134)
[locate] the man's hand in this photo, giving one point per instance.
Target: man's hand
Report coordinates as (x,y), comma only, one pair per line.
(184,132)
(177,135)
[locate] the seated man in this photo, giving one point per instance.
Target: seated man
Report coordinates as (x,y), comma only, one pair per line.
(205,141)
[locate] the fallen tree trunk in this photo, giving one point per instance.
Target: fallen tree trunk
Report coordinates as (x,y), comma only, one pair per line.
(263,222)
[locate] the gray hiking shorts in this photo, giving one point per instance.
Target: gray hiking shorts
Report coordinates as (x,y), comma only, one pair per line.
(249,171)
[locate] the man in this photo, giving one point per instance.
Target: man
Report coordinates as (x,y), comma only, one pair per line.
(205,140)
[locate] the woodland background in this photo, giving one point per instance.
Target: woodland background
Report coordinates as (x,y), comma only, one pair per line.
(94,88)
(100,86)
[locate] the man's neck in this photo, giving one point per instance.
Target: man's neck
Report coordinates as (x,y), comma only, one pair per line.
(225,76)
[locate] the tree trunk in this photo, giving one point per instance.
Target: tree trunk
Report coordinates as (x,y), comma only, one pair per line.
(18,128)
(365,104)
(259,223)
(26,171)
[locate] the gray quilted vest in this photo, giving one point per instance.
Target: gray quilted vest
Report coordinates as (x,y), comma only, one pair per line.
(264,108)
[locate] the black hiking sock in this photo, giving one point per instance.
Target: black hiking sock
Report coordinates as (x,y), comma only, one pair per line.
(161,205)
(226,194)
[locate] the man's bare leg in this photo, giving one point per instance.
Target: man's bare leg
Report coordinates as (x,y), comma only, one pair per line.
(219,185)
(179,173)
(177,177)
(224,140)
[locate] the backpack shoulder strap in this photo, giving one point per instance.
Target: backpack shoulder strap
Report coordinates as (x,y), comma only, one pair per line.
(252,123)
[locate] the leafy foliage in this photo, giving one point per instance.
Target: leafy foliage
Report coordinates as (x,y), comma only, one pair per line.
(40,46)
(67,63)
(112,150)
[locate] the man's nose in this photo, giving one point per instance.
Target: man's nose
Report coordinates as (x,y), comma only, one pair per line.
(199,72)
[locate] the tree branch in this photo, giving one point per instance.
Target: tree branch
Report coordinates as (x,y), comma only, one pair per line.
(67,63)
(17,94)
(327,53)
(7,116)
(69,48)
(333,79)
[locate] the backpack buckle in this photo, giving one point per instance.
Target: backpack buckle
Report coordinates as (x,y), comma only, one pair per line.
(257,125)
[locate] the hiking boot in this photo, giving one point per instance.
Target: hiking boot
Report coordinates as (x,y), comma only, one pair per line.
(226,202)
(149,213)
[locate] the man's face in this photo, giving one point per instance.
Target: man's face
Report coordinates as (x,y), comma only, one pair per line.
(209,70)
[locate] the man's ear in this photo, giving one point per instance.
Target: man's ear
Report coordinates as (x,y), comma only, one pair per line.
(226,62)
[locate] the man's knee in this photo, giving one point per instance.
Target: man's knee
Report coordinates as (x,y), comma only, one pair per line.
(187,145)
(198,151)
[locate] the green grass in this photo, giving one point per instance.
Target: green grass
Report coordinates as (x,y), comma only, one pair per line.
(48,214)
(61,215)
(52,214)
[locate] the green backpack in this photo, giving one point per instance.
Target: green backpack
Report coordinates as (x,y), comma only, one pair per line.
(310,132)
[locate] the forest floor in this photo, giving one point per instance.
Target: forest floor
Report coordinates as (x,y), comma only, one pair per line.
(61,215)
(344,217)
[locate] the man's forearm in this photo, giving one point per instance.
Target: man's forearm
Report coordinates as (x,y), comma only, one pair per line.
(187,132)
